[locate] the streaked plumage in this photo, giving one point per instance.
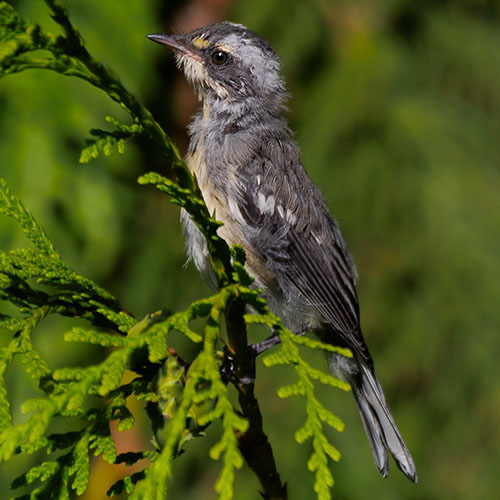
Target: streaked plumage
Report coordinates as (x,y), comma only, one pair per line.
(251,176)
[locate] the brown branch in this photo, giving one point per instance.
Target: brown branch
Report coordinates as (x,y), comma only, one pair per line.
(253,443)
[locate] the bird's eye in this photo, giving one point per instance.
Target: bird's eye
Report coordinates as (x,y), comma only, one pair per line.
(219,57)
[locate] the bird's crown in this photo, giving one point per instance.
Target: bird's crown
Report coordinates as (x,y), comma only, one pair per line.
(228,61)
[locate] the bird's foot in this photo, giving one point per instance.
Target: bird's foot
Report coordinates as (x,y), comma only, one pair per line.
(260,347)
(228,370)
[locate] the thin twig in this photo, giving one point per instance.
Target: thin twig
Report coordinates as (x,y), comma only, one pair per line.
(253,443)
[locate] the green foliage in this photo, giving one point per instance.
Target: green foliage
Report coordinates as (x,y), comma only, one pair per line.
(182,398)
(12,207)
(317,414)
(396,108)
(104,141)
(72,295)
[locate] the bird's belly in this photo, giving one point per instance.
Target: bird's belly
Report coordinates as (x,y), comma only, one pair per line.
(223,208)
(294,312)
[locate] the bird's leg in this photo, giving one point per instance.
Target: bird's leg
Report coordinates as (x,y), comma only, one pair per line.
(228,370)
(260,347)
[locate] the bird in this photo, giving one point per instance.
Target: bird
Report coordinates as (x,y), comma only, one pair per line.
(251,177)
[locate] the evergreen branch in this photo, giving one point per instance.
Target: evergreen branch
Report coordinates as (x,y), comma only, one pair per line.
(219,252)
(127,484)
(75,295)
(183,398)
(154,485)
(6,356)
(201,385)
(17,291)
(25,264)
(99,75)
(232,423)
(253,442)
(74,385)
(316,413)
(71,387)
(71,58)
(61,17)
(105,141)
(75,463)
(35,366)
(12,207)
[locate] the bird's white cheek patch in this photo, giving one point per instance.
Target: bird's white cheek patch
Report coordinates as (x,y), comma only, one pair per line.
(196,74)
(194,70)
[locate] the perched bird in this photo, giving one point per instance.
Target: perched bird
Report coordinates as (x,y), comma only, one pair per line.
(251,176)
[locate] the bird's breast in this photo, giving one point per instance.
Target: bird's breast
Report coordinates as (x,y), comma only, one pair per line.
(214,181)
(216,199)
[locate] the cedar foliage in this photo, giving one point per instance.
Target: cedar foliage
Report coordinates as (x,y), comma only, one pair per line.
(182,397)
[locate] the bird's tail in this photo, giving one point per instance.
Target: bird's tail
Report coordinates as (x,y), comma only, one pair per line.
(379,424)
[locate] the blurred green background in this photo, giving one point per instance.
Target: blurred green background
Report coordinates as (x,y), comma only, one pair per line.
(396,108)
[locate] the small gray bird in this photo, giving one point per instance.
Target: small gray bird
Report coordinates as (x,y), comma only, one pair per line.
(251,176)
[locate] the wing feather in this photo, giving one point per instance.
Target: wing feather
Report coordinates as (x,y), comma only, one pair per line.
(301,243)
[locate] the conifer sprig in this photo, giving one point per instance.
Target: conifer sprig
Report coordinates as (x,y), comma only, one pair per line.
(182,397)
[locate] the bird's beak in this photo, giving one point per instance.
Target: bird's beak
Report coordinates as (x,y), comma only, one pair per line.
(177,43)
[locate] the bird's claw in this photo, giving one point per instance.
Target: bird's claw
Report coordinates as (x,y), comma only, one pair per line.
(228,370)
(260,347)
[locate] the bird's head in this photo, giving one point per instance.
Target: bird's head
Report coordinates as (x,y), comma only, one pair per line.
(227,61)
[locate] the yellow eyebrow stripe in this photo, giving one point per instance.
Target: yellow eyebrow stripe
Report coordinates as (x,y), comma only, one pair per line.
(200,43)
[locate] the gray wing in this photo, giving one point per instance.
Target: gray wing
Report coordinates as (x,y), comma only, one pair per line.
(289,226)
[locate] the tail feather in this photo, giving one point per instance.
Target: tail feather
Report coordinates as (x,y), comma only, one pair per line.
(374,434)
(379,425)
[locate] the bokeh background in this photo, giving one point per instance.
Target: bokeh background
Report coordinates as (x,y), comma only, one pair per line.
(396,108)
